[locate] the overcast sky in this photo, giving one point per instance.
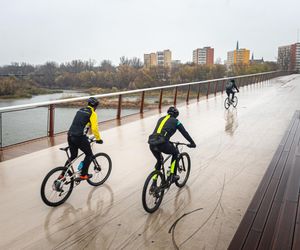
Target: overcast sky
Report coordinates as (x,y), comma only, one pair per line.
(37,31)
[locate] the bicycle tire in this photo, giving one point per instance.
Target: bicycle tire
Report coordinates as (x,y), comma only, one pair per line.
(159,191)
(183,166)
(226,103)
(93,168)
(44,197)
(235,101)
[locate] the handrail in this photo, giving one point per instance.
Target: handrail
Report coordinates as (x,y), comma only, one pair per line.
(41,104)
(216,84)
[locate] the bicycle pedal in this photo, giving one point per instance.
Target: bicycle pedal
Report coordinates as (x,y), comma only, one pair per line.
(77,180)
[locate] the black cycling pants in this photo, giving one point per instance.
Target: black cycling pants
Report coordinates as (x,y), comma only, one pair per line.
(167,148)
(82,143)
(228,92)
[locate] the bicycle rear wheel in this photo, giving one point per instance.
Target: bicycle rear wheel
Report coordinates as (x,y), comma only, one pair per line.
(235,101)
(183,169)
(152,195)
(226,103)
(56,187)
(100,168)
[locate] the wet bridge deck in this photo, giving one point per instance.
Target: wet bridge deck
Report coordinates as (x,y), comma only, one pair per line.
(234,149)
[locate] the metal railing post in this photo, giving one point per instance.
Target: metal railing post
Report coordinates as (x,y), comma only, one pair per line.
(223,84)
(175,96)
(208,89)
(51,117)
(160,99)
(188,94)
(1,144)
(142,103)
(241,82)
(119,107)
(198,95)
(216,85)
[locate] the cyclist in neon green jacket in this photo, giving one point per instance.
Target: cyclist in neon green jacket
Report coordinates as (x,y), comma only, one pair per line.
(159,139)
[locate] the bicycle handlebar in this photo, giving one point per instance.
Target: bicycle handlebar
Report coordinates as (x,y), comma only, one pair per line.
(92,139)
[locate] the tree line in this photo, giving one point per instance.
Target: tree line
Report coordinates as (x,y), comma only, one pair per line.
(129,74)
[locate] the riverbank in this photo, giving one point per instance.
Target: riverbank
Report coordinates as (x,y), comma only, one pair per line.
(130,101)
(30,93)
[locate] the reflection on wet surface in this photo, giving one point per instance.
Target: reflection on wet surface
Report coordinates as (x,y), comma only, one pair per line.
(226,169)
(231,121)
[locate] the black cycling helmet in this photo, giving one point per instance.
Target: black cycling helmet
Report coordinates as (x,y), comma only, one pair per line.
(93,102)
(172,111)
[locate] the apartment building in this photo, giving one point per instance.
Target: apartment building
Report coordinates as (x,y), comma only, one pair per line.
(203,56)
(289,57)
(295,57)
(160,58)
(150,60)
(238,56)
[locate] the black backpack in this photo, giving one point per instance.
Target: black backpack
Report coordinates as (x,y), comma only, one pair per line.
(229,85)
(158,138)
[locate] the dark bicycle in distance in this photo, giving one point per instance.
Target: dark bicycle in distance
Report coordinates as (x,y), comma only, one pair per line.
(233,102)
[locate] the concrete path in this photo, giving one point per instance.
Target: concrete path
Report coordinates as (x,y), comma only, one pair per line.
(234,150)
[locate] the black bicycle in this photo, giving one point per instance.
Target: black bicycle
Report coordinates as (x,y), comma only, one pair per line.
(58,184)
(153,194)
(233,102)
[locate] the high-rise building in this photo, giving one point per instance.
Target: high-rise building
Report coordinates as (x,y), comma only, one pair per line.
(150,60)
(160,58)
(297,64)
(295,57)
(203,56)
(284,57)
(238,56)
(289,57)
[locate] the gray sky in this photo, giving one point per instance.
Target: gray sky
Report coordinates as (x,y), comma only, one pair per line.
(36,31)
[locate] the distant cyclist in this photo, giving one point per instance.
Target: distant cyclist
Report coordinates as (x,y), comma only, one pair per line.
(77,139)
(159,140)
(230,87)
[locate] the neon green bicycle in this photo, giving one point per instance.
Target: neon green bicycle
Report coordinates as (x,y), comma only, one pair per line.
(153,191)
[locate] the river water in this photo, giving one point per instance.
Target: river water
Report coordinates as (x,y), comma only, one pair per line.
(19,126)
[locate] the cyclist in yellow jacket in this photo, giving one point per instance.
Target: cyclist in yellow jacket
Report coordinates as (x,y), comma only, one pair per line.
(77,139)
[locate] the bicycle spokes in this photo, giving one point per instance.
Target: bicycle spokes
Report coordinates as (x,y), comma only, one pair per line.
(153,191)
(97,167)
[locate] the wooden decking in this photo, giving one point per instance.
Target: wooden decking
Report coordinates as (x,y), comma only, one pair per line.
(272,218)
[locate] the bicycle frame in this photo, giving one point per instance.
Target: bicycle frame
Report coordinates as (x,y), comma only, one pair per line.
(169,156)
(69,166)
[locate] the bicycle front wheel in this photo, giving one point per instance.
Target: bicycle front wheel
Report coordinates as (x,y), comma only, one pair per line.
(153,192)
(235,101)
(226,103)
(56,187)
(100,168)
(183,169)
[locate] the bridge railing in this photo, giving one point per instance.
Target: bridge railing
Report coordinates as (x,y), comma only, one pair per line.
(198,89)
